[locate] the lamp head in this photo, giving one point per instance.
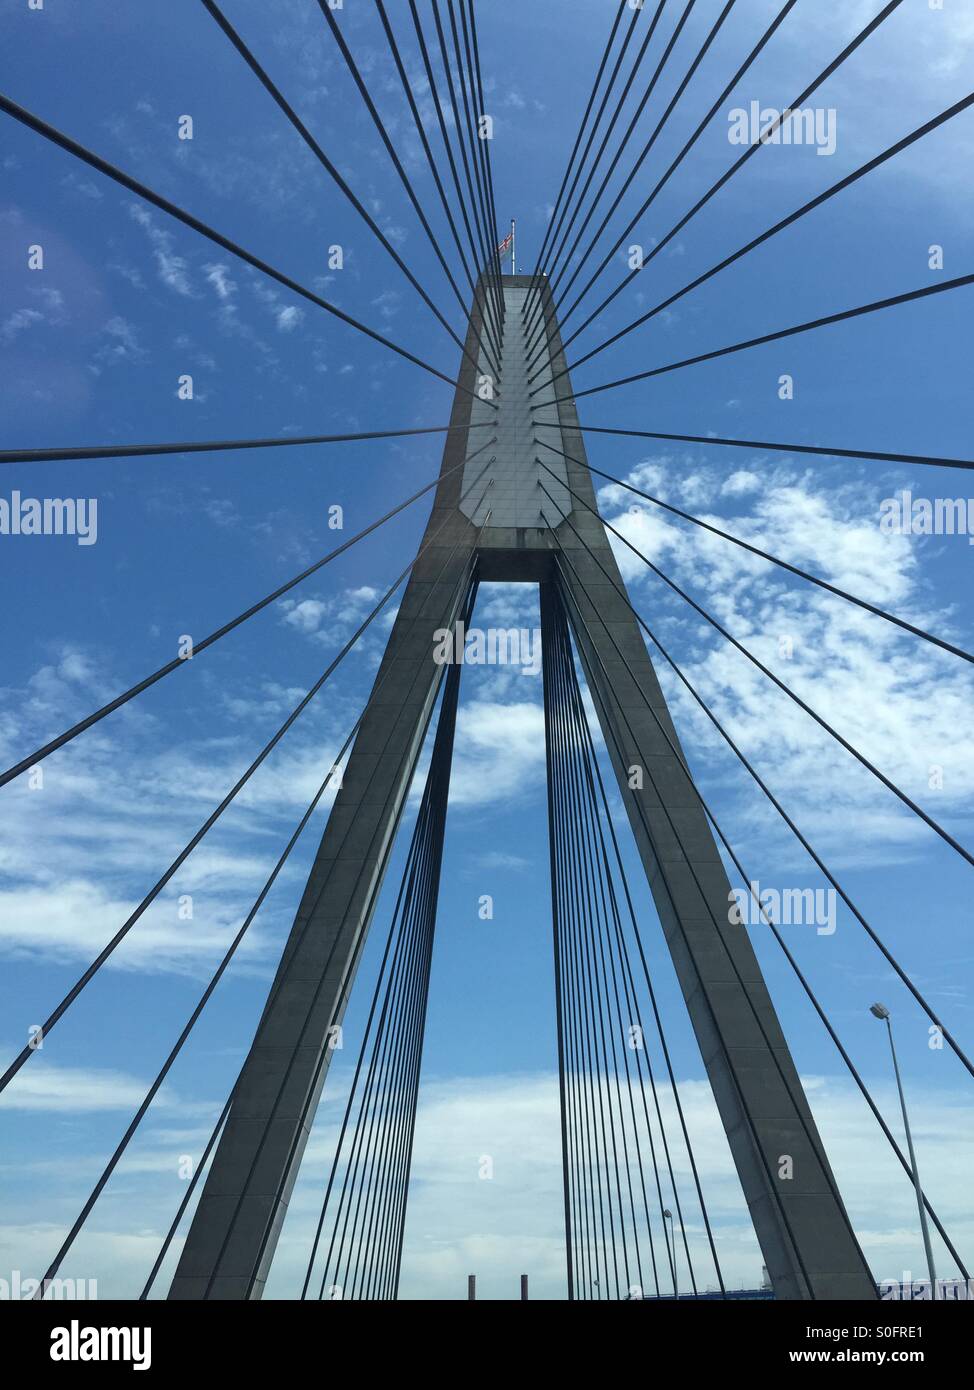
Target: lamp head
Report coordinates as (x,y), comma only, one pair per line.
(879,1010)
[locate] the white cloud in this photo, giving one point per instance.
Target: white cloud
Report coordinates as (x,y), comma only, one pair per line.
(86,187)
(121,343)
(499,859)
(17,322)
(741,482)
(286,317)
(73,919)
(890,695)
(331,620)
(388,303)
(50,311)
(459,1222)
(499,752)
(305,614)
(218,275)
(289,317)
(79,853)
(45,1086)
(171,268)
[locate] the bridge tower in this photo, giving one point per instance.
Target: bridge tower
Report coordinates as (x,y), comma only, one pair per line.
(805,1237)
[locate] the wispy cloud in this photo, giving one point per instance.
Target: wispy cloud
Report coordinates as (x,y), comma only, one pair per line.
(172,268)
(899,705)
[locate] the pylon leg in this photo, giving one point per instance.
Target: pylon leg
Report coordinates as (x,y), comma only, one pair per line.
(238,1220)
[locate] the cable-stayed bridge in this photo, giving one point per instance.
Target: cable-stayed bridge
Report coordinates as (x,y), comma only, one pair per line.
(515,501)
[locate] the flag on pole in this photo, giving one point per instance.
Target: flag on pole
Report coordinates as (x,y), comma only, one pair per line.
(508,245)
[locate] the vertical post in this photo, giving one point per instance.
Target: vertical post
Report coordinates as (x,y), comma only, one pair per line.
(671,1242)
(524,1288)
(556,934)
(471,1288)
(925,1229)
(513,260)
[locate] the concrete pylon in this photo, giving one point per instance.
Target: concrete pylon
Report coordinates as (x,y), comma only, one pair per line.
(800,1223)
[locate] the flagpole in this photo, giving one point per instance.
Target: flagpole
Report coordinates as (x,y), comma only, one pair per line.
(513,262)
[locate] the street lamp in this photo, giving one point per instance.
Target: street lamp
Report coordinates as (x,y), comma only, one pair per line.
(671,1247)
(881,1012)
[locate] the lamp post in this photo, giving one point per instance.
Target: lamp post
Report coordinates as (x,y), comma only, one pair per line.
(671,1247)
(881,1012)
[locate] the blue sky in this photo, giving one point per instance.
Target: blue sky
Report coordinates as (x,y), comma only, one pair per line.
(91,350)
